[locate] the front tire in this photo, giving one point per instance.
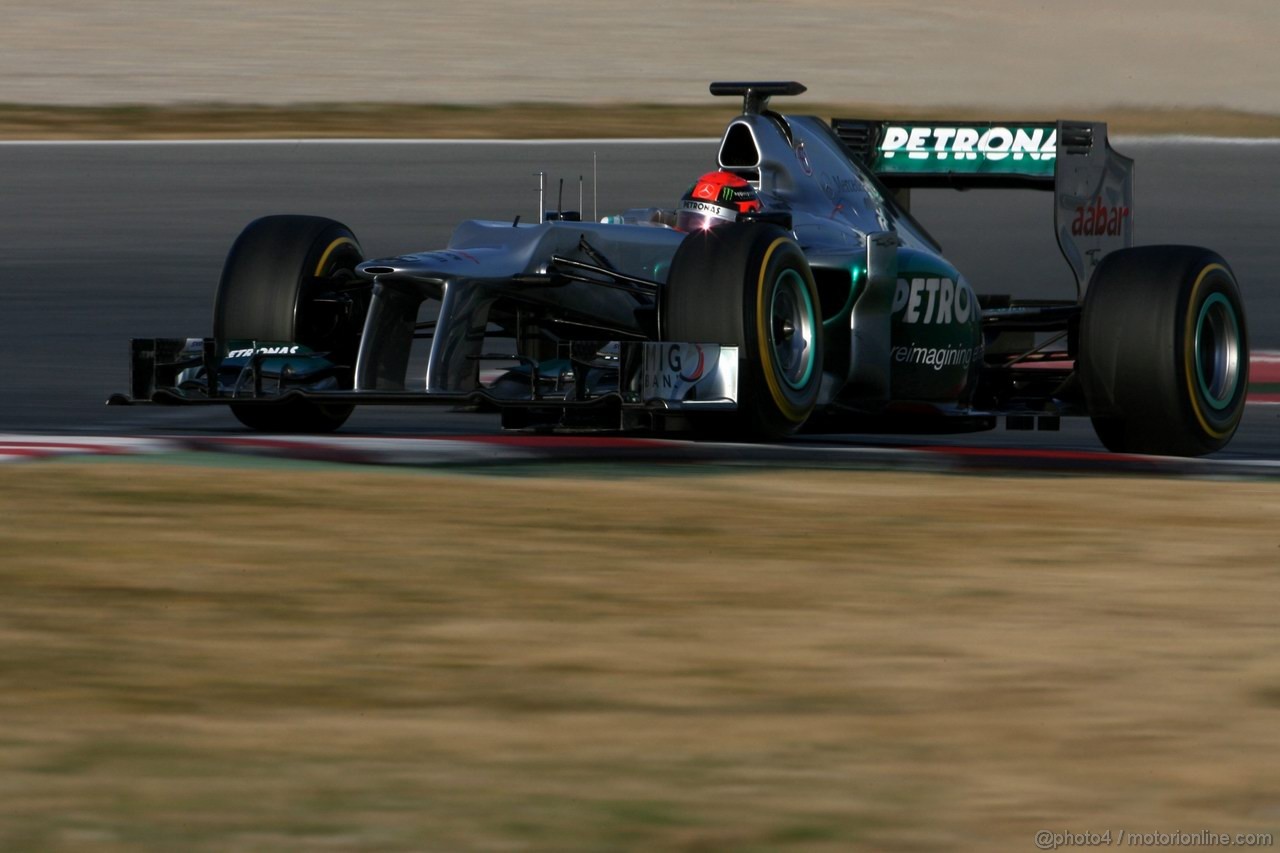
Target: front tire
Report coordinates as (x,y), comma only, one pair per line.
(1164,351)
(287,278)
(749,285)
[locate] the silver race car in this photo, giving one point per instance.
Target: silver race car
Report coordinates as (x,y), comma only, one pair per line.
(791,289)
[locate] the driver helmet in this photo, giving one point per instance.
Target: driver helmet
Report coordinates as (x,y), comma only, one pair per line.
(714,199)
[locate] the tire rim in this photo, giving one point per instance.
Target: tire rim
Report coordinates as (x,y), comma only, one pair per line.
(1217,351)
(791,328)
(324,329)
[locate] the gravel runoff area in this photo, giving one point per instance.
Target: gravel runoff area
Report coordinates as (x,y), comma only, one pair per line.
(1006,54)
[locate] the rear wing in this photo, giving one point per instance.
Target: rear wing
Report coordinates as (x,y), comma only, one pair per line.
(1092,183)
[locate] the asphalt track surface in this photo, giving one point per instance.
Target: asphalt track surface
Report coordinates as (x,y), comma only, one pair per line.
(103,242)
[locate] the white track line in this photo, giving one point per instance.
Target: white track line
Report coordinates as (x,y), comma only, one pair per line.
(1186,139)
(15,447)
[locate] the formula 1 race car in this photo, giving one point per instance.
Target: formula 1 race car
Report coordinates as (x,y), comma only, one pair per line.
(791,290)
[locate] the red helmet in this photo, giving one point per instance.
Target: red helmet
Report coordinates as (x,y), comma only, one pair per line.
(714,199)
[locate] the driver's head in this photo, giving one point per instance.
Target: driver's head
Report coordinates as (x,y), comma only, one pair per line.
(714,199)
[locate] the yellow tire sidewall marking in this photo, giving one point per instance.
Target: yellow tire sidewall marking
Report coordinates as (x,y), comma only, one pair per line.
(1189,348)
(330,249)
(788,409)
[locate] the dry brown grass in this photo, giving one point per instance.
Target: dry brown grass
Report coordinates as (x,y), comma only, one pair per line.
(205,659)
(529,121)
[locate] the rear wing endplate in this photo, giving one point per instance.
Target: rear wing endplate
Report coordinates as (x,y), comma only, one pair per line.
(1092,183)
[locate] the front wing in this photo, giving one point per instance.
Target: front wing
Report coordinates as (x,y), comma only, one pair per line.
(592,385)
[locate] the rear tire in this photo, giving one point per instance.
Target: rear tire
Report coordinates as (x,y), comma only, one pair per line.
(276,275)
(749,285)
(1164,351)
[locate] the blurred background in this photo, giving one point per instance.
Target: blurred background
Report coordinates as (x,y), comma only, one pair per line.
(997,53)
